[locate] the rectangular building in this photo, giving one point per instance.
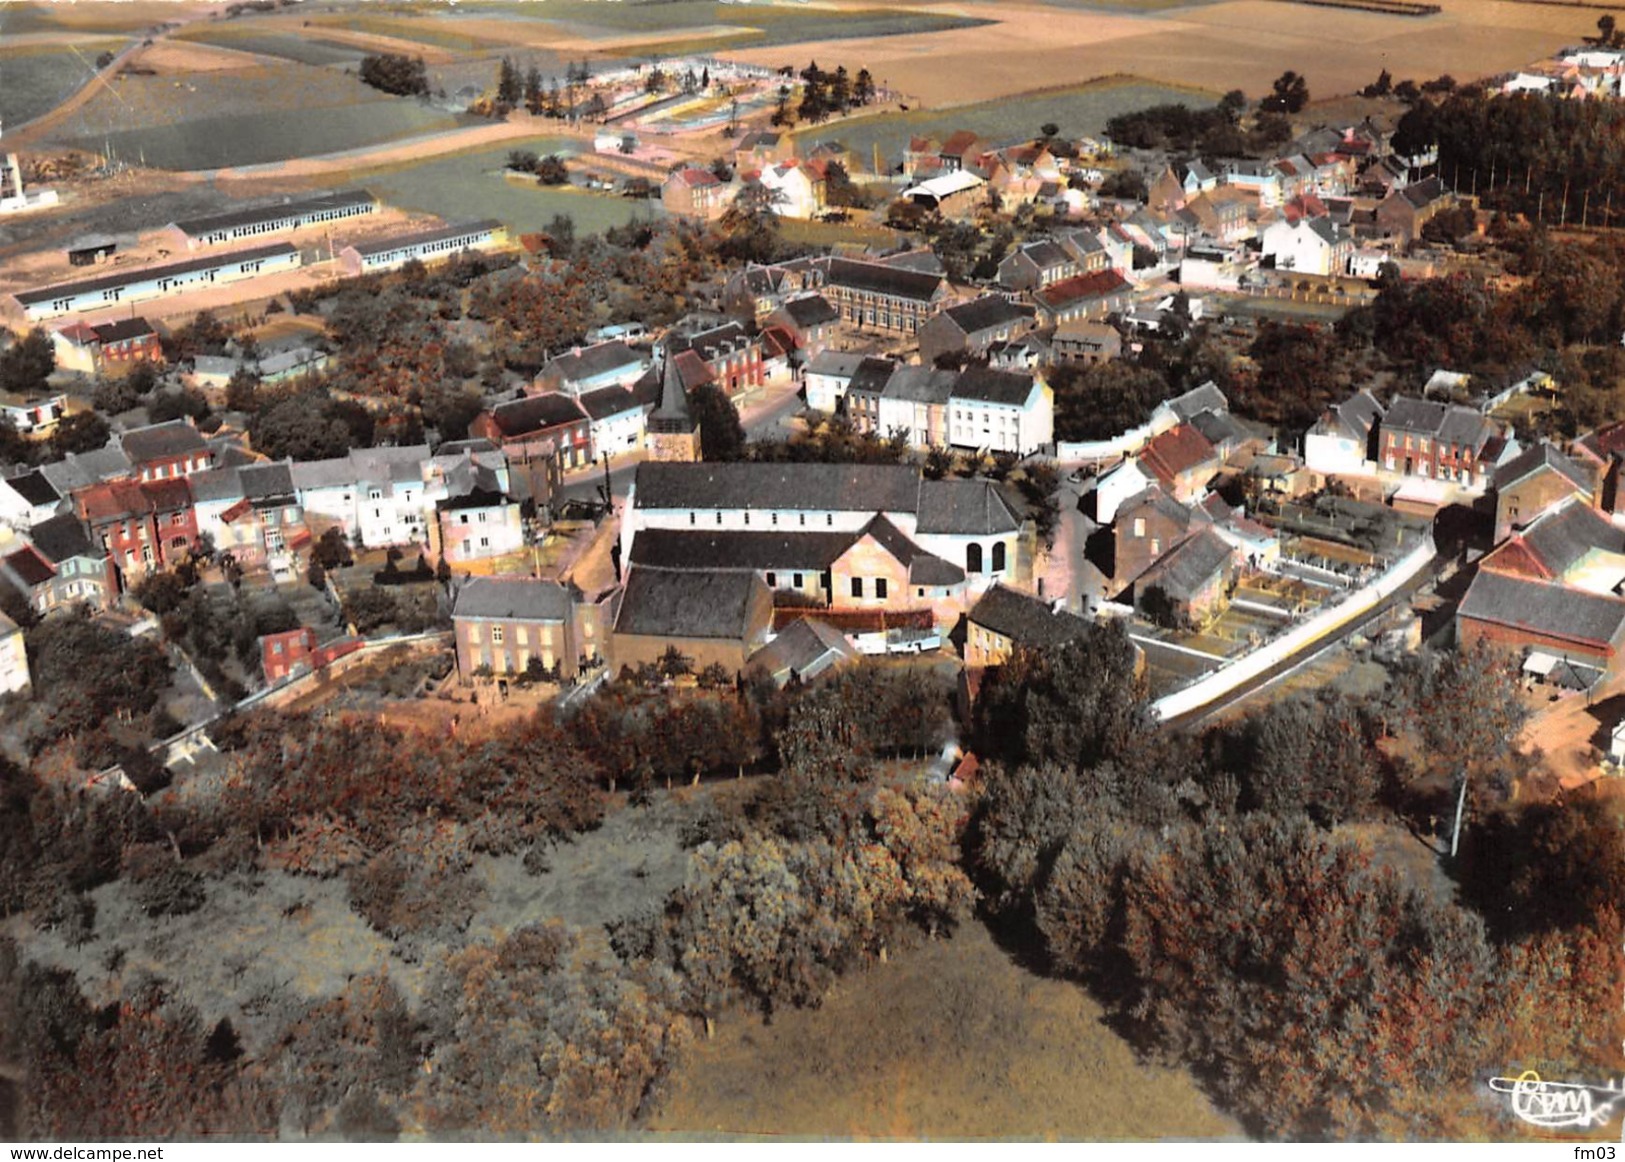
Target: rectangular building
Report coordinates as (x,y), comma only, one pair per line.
(150,282)
(424,246)
(236,225)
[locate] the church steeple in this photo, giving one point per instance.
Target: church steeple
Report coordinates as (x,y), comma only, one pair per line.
(674,434)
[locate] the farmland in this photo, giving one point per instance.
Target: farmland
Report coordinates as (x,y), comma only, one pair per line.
(305,50)
(1084,109)
(471,185)
(34,83)
(243,117)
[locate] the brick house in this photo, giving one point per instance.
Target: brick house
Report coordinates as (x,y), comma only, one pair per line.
(887,298)
(1190,582)
(719,618)
(1006,618)
(1148,525)
(1538,480)
(732,354)
(551,417)
(165,451)
(695,193)
(811,321)
(1440,441)
(505,624)
(971,328)
(106,347)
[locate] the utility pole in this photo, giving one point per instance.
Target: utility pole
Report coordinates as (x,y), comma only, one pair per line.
(1461,802)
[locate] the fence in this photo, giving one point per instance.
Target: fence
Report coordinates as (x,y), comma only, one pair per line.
(1250,665)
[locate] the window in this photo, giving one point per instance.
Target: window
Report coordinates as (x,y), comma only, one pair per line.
(178,519)
(719,518)
(829,519)
(1139,526)
(485,542)
(775,520)
(496,635)
(880,588)
(998,557)
(803,520)
(796,577)
(691,517)
(857,587)
(772,580)
(973,558)
(922,592)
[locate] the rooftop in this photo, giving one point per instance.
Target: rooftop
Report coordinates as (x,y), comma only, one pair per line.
(424,237)
(194,227)
(133,275)
(683,604)
(512,599)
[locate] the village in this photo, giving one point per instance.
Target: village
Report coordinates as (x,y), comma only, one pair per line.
(937,535)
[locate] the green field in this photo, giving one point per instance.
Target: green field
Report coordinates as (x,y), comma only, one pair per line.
(34,83)
(301,49)
(1080,111)
(471,185)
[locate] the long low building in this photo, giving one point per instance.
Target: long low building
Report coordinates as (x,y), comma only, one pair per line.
(424,245)
(139,284)
(237,225)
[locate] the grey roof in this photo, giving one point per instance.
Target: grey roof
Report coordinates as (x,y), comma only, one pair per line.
(872,375)
(235,218)
(1165,506)
(118,330)
(988,312)
(593,361)
(715,342)
(1045,254)
(1220,427)
(672,412)
(536,413)
(267,481)
(993,386)
(82,469)
(1451,423)
(1026,620)
(512,599)
(924,261)
(733,551)
(218,484)
(156,441)
(423,237)
(139,274)
(1544,608)
(1358,414)
(883,279)
(608,401)
(62,537)
(672,603)
(1542,455)
(1564,535)
(807,646)
(34,488)
(1189,566)
(810,311)
(964,507)
(923,568)
(1204,398)
(843,364)
(919,384)
(789,487)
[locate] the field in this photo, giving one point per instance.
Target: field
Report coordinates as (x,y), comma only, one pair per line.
(471,185)
(951,1040)
(1083,109)
(34,83)
(18,18)
(1231,44)
(243,117)
(305,50)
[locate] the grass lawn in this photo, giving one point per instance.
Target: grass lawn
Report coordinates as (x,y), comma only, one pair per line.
(34,83)
(951,1040)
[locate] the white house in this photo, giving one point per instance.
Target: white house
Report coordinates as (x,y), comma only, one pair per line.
(1340,441)
(14,675)
(791,190)
(376,495)
(1310,245)
(1000,411)
(618,420)
(478,525)
(28,499)
(828,376)
(1117,485)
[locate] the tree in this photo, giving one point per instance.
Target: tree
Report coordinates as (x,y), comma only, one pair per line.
(1308,756)
(722,436)
(863,88)
(1381,87)
(27,364)
(1290,94)
(80,432)
(1605,30)
(1048,130)
(395,73)
(510,85)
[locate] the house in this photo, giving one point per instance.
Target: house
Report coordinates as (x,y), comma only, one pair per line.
(33,415)
(14,677)
(252,511)
(1220,215)
(166,451)
(480,524)
(971,328)
(1182,460)
(425,246)
(1522,614)
(1082,297)
(1259,180)
(1038,264)
(955,194)
(1027,353)
(762,289)
(377,496)
(1000,411)
(1405,211)
(1539,479)
(1448,442)
(811,321)
(1005,619)
(61,566)
(1309,245)
(237,225)
(617,421)
(790,189)
(913,403)
(732,354)
(802,650)
(519,625)
(1343,440)
(139,284)
(287,653)
(27,499)
(99,348)
(1149,524)
(828,375)
(960,151)
(710,618)
(553,418)
(586,369)
(1078,341)
(691,192)
(881,296)
(1189,584)
(860,402)
(762,148)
